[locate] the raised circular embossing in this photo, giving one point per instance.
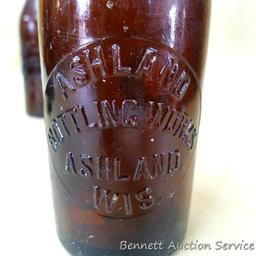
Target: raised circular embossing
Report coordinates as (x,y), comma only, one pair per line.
(122,121)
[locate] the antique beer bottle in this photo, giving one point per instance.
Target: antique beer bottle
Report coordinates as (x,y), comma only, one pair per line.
(30,59)
(122,89)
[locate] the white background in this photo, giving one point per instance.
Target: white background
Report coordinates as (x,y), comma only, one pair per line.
(224,204)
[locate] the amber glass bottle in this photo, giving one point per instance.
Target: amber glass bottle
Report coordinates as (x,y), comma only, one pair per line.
(122,85)
(30,59)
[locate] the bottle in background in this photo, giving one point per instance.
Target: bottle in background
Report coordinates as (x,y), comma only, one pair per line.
(31,59)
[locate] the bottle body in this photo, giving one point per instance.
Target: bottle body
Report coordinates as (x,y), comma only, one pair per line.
(122,110)
(31,59)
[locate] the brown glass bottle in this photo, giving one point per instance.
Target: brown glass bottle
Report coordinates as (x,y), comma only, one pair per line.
(122,84)
(30,59)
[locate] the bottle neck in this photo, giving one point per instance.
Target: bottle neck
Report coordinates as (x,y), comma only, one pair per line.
(31,7)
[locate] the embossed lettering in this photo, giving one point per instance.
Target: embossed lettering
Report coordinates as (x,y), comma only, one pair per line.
(91,64)
(142,169)
(190,138)
(81,75)
(145,198)
(70,167)
(87,169)
(169,72)
(128,204)
(97,62)
(118,70)
(173,161)
(158,118)
(63,84)
(182,85)
(103,168)
(99,123)
(129,113)
(134,84)
(117,171)
(103,196)
(175,122)
(74,118)
(107,202)
(55,135)
(158,164)
(109,114)
(146,64)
